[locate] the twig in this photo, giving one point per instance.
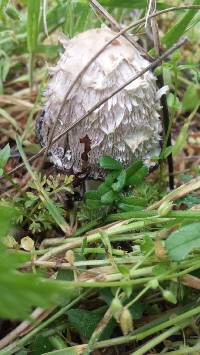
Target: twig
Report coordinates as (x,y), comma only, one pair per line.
(117,27)
(98,332)
(151,66)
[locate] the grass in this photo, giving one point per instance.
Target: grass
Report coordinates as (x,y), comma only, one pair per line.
(120,268)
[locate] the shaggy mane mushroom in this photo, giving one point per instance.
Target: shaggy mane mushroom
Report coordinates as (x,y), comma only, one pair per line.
(127,126)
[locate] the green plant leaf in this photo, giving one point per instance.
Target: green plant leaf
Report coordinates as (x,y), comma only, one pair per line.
(8,214)
(181,242)
(137,310)
(33,24)
(109,163)
(103,188)
(180,140)
(93,204)
(82,18)
(22,291)
(121,180)
(40,345)
(110,178)
(166,152)
(3,4)
(128,207)
(191,98)
(4,156)
(147,245)
(109,197)
(85,322)
(12,12)
(93,199)
(138,177)
(133,168)
(177,30)
(132,4)
(91,195)
(48,203)
(134,201)
(173,102)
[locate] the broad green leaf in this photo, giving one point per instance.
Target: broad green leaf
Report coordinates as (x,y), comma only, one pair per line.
(109,163)
(94,204)
(111,177)
(120,183)
(133,168)
(103,188)
(8,214)
(161,268)
(181,242)
(173,102)
(147,245)
(109,197)
(91,195)
(22,291)
(177,30)
(138,177)
(137,310)
(40,345)
(123,269)
(85,322)
(191,98)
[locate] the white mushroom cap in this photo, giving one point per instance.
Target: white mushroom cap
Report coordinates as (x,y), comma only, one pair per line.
(127,126)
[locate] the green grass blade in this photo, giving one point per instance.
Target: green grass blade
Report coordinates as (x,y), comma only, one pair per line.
(33,24)
(32,33)
(69,22)
(180,27)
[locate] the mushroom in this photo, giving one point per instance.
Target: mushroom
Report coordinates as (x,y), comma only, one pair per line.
(126,127)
